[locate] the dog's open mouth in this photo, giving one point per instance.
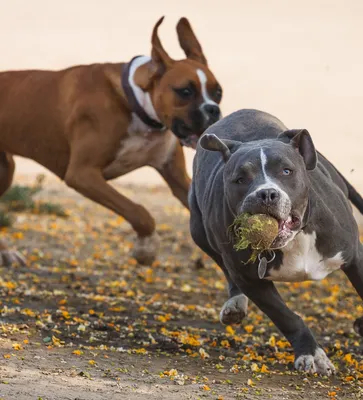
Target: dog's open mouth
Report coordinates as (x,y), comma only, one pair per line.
(287,229)
(190,141)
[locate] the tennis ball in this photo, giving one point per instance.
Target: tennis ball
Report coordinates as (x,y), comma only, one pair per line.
(257,231)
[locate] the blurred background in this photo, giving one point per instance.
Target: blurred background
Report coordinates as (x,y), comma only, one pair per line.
(301,61)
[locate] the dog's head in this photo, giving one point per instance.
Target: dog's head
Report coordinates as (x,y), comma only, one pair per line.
(184,93)
(268,177)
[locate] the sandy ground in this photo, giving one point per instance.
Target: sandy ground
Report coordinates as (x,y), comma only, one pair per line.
(83,321)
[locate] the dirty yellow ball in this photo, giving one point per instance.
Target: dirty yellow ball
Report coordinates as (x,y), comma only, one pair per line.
(257,231)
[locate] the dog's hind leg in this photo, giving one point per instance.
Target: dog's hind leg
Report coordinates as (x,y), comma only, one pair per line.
(354,272)
(7,168)
(235,308)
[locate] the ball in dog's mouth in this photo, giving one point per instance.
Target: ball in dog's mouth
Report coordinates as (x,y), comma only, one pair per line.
(257,231)
(261,232)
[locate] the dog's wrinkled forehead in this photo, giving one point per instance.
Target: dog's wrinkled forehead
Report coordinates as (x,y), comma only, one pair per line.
(261,158)
(196,76)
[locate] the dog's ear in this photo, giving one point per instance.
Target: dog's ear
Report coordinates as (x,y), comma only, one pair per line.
(301,140)
(189,42)
(160,58)
(212,143)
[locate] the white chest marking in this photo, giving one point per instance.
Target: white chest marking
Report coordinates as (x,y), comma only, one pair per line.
(203,84)
(141,149)
(302,261)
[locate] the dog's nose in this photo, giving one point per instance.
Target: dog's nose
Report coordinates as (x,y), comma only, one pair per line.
(213,111)
(268,196)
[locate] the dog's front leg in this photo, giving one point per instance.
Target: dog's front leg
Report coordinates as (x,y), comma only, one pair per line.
(175,175)
(309,356)
(91,152)
(89,182)
(354,272)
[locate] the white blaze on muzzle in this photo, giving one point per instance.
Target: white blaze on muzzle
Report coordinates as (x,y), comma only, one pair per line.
(283,207)
(206,99)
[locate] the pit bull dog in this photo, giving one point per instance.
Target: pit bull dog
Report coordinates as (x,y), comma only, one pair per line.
(250,162)
(92,123)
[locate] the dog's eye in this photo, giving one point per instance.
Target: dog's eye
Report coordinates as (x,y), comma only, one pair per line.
(184,92)
(240,181)
(287,171)
(218,94)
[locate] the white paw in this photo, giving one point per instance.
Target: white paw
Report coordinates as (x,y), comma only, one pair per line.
(234,310)
(319,363)
(11,257)
(146,248)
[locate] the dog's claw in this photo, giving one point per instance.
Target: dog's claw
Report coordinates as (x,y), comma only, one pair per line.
(318,363)
(11,257)
(234,310)
(146,249)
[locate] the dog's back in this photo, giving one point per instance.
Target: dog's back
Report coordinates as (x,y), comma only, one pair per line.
(37,107)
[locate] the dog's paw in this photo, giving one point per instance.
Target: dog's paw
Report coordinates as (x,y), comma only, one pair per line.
(11,257)
(146,249)
(318,363)
(358,326)
(234,310)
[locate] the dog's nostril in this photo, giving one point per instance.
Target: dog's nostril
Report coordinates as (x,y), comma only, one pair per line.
(212,110)
(273,195)
(268,196)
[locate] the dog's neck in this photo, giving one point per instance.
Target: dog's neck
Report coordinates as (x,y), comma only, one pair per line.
(139,100)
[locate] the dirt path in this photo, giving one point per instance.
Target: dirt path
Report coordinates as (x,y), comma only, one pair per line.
(84,321)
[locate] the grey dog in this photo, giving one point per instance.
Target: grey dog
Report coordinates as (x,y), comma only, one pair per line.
(250,162)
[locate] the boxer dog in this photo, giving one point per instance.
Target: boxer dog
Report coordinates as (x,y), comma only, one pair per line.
(249,162)
(92,123)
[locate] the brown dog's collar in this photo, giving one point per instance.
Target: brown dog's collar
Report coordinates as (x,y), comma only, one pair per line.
(132,100)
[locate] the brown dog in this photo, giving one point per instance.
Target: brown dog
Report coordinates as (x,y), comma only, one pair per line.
(91,123)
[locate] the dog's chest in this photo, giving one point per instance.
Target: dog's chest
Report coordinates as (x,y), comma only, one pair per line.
(141,148)
(302,261)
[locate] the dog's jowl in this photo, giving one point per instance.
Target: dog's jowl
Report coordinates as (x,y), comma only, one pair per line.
(249,162)
(91,123)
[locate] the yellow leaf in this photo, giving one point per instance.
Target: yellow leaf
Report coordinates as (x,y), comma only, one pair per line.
(56,342)
(264,369)
(186,288)
(272,341)
(91,362)
(230,330)
(254,367)
(249,328)
(205,387)
(17,346)
(203,354)
(77,352)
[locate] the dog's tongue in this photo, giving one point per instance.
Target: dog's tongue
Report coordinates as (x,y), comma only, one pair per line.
(289,224)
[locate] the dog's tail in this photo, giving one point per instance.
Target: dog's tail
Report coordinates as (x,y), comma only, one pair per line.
(353,195)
